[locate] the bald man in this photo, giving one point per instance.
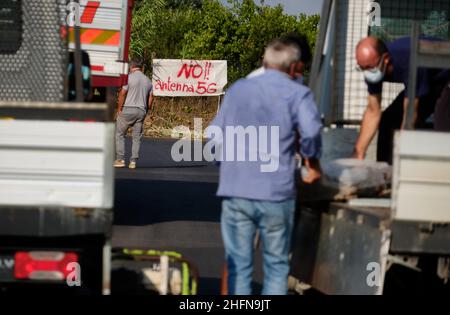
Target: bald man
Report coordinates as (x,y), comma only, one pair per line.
(380,63)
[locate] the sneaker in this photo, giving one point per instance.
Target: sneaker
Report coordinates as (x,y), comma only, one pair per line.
(119,163)
(132,165)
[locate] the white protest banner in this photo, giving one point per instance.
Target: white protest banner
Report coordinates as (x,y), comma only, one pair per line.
(174,77)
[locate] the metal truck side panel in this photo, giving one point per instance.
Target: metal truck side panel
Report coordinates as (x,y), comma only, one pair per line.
(51,163)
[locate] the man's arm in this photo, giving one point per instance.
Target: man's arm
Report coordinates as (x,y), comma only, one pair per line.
(150,101)
(122,97)
(314,171)
(405,112)
(309,127)
(369,126)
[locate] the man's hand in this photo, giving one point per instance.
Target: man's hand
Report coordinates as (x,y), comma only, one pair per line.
(369,126)
(119,111)
(150,102)
(122,96)
(405,114)
(359,155)
(313,171)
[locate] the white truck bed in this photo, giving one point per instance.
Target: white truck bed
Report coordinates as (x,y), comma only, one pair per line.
(421,179)
(56,163)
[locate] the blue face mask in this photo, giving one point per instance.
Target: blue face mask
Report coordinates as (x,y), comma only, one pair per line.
(375,75)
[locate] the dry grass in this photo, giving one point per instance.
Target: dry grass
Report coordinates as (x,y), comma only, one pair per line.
(170,112)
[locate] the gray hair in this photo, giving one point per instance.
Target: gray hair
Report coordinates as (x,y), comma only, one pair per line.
(281,55)
(136,63)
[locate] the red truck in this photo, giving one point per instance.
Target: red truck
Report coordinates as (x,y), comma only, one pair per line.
(105,27)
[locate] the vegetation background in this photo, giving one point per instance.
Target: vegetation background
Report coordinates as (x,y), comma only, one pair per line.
(206,29)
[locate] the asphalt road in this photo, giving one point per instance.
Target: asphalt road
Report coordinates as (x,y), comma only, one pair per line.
(167,205)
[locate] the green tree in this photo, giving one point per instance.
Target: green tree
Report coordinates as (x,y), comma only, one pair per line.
(239,33)
(159,27)
(177,4)
(208,29)
(145,14)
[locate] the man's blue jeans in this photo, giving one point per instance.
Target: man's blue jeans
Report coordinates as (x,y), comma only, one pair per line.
(240,220)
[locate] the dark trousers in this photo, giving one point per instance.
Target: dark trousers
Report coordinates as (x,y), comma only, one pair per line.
(391,119)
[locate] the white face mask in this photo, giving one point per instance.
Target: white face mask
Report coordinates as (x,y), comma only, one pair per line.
(375,75)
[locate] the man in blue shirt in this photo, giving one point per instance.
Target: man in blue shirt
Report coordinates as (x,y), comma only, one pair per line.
(259,119)
(305,60)
(380,63)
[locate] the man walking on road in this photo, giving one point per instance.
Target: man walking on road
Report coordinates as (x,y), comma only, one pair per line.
(264,200)
(135,99)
